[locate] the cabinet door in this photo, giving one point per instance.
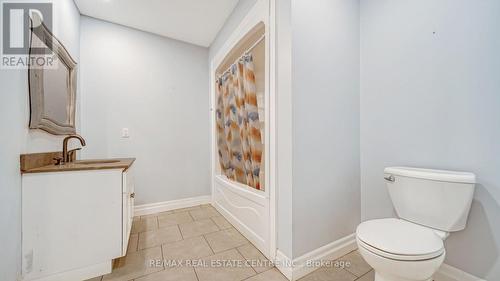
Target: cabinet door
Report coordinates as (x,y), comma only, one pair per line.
(71,220)
(128,206)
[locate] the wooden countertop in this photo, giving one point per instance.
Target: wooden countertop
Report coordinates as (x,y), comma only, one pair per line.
(84,165)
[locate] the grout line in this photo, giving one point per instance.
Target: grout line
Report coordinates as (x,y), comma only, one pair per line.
(220,228)
(208,244)
(189,213)
(216,224)
(154,246)
(196,273)
(364,274)
(207,232)
(353,272)
(194,268)
(179,228)
(355,276)
(347,269)
(347,254)
(162,257)
(151,273)
(138,239)
(137,243)
(246,260)
(264,272)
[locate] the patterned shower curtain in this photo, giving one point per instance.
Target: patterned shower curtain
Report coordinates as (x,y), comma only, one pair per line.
(238,126)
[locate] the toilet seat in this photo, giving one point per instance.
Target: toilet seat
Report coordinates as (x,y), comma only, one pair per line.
(399,240)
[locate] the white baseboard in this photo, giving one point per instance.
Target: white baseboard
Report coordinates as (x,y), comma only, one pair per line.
(450,273)
(307,263)
(332,251)
(301,266)
(284,264)
(153,208)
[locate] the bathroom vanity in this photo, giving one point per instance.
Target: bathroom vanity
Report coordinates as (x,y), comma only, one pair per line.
(76,218)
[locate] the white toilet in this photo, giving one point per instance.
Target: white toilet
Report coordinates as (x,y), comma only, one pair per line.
(430,204)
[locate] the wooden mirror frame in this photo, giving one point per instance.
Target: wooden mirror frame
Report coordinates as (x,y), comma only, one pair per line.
(38,118)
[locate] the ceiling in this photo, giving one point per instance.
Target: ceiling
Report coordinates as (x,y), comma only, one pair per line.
(192,21)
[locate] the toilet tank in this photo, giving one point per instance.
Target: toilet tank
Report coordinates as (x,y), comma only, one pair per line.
(434,198)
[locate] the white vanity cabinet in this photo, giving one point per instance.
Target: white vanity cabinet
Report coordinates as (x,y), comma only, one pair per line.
(75,222)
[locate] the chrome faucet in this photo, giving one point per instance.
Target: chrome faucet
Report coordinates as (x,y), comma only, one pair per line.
(68,155)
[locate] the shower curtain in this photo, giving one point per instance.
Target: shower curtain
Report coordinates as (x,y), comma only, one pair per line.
(238,126)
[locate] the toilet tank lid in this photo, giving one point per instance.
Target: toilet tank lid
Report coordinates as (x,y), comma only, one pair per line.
(429,174)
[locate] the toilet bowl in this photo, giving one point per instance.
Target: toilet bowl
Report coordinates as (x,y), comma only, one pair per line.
(399,250)
(430,204)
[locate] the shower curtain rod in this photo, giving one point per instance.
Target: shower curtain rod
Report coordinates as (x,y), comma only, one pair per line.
(244,54)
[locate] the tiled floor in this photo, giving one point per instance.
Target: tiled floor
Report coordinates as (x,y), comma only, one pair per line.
(348,268)
(161,245)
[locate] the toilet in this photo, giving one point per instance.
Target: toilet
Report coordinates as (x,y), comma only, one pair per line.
(430,204)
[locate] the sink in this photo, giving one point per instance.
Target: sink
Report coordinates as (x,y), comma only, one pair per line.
(93,162)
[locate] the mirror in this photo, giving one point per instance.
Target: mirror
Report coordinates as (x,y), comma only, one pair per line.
(52,85)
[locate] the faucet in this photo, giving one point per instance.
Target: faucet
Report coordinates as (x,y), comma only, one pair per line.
(67,155)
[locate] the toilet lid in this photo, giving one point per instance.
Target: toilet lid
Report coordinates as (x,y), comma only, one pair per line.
(400,239)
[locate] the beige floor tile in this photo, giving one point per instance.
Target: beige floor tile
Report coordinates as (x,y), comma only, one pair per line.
(172,274)
(135,265)
(149,216)
(188,249)
(186,209)
(357,264)
(158,237)
(225,239)
(132,243)
(197,228)
(174,219)
(226,266)
(269,275)
(95,279)
(221,222)
(165,213)
(329,274)
(146,224)
(255,258)
(208,206)
(370,276)
(204,213)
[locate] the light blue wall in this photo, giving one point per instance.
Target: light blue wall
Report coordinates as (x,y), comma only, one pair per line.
(12,126)
(156,87)
(430,97)
(325,90)
(232,22)
(284,126)
(15,139)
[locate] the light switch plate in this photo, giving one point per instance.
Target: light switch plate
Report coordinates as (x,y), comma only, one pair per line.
(125,133)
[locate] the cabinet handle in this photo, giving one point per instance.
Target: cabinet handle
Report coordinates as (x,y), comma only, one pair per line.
(132,195)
